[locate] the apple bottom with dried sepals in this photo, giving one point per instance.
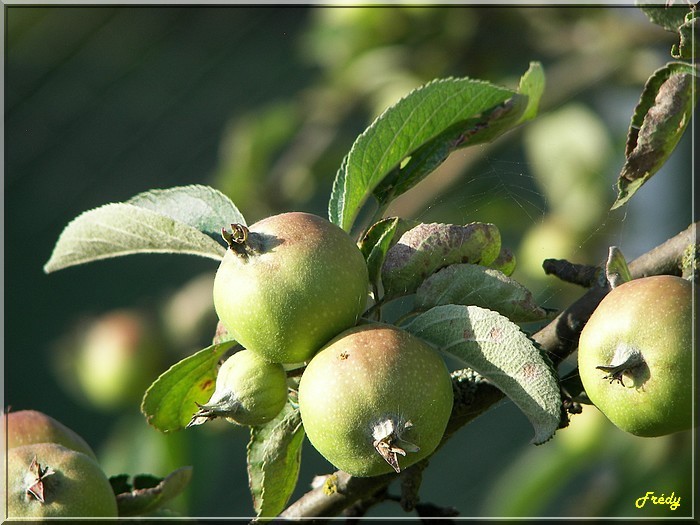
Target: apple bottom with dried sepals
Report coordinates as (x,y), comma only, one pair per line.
(635,356)
(375,400)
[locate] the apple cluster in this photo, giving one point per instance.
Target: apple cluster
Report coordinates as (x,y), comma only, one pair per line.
(51,471)
(291,290)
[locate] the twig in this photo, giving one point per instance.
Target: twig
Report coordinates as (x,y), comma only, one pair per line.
(559,338)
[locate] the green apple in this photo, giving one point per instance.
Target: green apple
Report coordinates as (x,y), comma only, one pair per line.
(375,399)
(635,356)
(25,427)
(288,284)
(47,480)
(249,391)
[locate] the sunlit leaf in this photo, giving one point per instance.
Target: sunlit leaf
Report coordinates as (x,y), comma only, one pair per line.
(471,284)
(171,400)
(379,238)
(202,207)
(496,348)
(274,459)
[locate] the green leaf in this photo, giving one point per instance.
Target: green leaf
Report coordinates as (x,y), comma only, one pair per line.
(171,400)
(659,121)
(379,238)
(202,207)
(274,458)
(470,284)
(426,248)
(495,347)
(149,493)
(440,107)
(616,270)
(532,84)
(689,44)
(120,229)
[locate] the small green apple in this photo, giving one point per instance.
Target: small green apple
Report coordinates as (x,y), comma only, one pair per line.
(288,284)
(47,480)
(249,391)
(635,356)
(375,399)
(25,427)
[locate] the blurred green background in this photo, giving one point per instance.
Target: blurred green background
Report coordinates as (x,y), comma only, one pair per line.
(102,103)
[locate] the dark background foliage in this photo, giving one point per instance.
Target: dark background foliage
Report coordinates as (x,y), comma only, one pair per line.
(102,103)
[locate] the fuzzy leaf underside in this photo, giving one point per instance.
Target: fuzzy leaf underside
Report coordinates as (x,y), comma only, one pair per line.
(423,250)
(470,284)
(202,207)
(496,348)
(171,400)
(274,459)
(661,117)
(185,219)
(149,493)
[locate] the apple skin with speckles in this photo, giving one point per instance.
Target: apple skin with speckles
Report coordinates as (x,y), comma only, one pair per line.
(371,382)
(289,285)
(75,485)
(635,356)
(26,427)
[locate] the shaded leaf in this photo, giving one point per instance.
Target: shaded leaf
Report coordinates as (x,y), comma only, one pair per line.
(659,121)
(420,117)
(616,270)
(379,238)
(667,16)
(120,229)
(274,458)
(426,248)
(148,493)
(171,400)
(202,207)
(689,43)
(471,284)
(505,262)
(497,349)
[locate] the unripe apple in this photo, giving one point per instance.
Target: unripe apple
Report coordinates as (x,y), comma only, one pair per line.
(25,427)
(635,356)
(249,391)
(48,480)
(375,399)
(288,284)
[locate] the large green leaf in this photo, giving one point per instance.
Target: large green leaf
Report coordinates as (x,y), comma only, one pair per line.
(274,458)
(471,284)
(415,135)
(496,348)
(426,248)
(659,121)
(171,400)
(186,219)
(202,207)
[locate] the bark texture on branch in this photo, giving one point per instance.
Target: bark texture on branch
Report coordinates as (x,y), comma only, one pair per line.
(559,339)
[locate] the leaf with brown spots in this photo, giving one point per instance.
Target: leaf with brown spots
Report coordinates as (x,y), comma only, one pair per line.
(172,399)
(496,348)
(471,284)
(427,248)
